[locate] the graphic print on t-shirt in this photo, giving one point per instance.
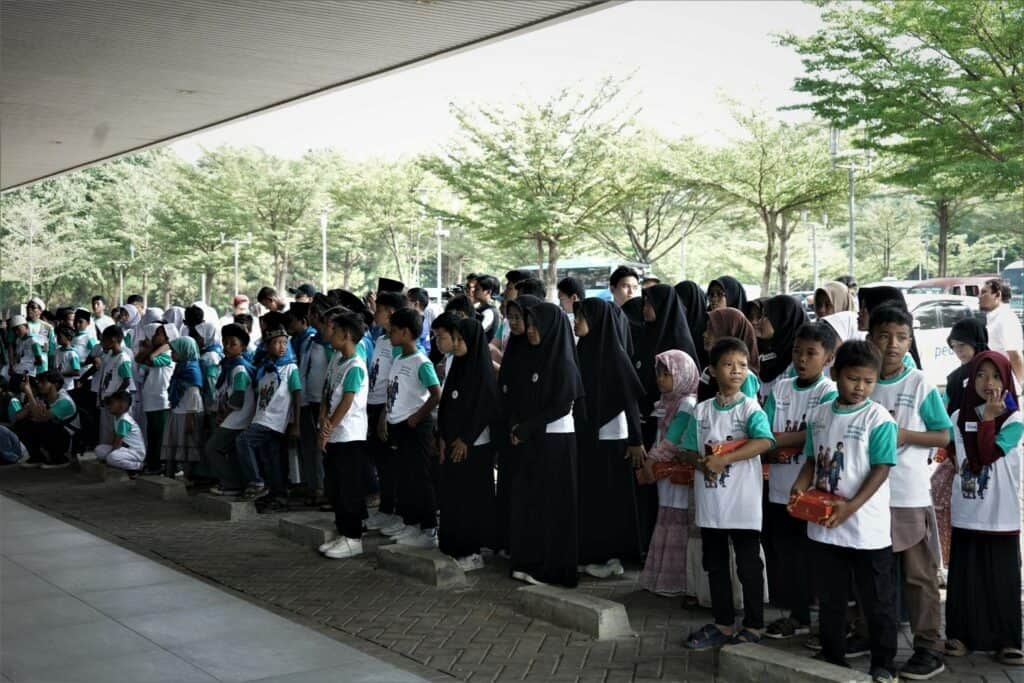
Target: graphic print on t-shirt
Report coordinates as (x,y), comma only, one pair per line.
(392,394)
(713,482)
(267,390)
(973,484)
(828,467)
(374,372)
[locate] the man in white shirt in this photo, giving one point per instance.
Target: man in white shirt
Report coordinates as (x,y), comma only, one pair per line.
(1004,329)
(99,315)
(624,284)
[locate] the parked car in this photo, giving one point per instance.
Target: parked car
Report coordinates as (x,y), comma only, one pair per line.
(960,286)
(934,316)
(902,285)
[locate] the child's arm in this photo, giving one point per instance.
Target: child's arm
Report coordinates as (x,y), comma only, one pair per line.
(329,424)
(804,479)
(752,448)
(843,509)
(426,408)
(933,414)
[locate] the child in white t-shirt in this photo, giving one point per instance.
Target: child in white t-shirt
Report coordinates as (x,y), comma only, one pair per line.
(378,367)
(67,362)
(728,488)
(128,450)
(236,404)
(115,374)
(790,402)
(924,426)
(982,610)
(849,450)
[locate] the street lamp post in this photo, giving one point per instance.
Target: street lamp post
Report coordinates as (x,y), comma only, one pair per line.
(440,232)
(999,258)
(237,242)
(848,162)
(120,265)
(814,243)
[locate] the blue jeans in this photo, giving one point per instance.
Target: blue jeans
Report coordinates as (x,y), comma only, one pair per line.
(259,451)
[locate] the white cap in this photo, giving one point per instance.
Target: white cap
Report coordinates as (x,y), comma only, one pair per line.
(18,320)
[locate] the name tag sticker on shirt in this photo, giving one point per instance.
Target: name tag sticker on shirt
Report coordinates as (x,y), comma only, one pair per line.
(971,426)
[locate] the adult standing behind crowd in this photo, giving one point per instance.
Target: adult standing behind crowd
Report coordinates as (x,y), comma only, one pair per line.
(1004,329)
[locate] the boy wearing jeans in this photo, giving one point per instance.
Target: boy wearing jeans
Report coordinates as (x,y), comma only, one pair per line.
(413,392)
(849,450)
(923,426)
(728,489)
(278,389)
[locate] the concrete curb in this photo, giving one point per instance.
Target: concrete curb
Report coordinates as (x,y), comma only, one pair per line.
(597,617)
(427,565)
(753,662)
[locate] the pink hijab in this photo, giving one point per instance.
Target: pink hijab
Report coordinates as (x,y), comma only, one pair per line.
(685,377)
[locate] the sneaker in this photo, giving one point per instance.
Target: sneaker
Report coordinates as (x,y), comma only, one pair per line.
(787,627)
(813,643)
(599,571)
(219,491)
(470,563)
(254,492)
(393,529)
(324,547)
(857,647)
(523,576)
(477,562)
(616,565)
(31,463)
(422,539)
(922,665)
(380,520)
(273,505)
(347,547)
(59,465)
(406,531)
(880,675)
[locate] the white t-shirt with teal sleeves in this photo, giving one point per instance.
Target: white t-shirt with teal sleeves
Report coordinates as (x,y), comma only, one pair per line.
(157,382)
(274,397)
(915,405)
(379,367)
(787,408)
(347,376)
(131,436)
(409,382)
(733,499)
(67,362)
(669,494)
(238,380)
(116,367)
(988,500)
(27,351)
(83,342)
(845,442)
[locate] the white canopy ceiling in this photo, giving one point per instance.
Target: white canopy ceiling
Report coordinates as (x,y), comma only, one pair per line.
(85,80)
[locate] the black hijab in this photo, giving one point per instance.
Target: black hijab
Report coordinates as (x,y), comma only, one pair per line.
(969,331)
(469,402)
(609,378)
(786,316)
(695,304)
(870,298)
(667,331)
(735,295)
(622,329)
(552,374)
(513,382)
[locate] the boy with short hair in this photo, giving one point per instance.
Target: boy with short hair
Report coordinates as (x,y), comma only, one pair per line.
(278,391)
(312,360)
(787,408)
(487,287)
(155,356)
(413,391)
(115,374)
(924,426)
(342,438)
(856,537)
(48,421)
(67,362)
(128,449)
(236,405)
(84,340)
(28,356)
(728,488)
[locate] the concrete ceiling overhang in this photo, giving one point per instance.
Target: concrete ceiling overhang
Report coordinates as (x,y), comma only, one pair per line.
(86,80)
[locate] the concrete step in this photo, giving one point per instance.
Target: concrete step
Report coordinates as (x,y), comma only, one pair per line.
(596,617)
(753,662)
(161,488)
(223,507)
(93,470)
(430,566)
(308,528)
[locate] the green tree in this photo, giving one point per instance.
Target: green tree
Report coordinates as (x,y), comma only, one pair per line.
(540,173)
(890,239)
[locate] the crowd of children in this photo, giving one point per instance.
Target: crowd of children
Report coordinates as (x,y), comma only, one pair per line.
(678,429)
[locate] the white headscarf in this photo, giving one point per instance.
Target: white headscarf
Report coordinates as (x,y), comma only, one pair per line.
(845,325)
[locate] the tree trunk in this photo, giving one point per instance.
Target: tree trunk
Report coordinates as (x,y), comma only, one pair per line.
(541,273)
(682,255)
(944,216)
(783,264)
(552,266)
(145,287)
(770,221)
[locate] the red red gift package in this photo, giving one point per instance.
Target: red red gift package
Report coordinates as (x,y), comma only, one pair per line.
(813,505)
(675,472)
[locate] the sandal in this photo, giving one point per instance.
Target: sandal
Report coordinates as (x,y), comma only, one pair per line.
(744,635)
(707,638)
(786,627)
(1011,656)
(955,648)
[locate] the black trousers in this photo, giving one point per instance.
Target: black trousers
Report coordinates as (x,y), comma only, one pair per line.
(417,500)
(874,579)
(40,436)
(344,466)
(790,579)
(746,544)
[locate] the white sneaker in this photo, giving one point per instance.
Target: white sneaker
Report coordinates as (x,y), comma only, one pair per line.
(324,547)
(599,571)
(421,539)
(405,532)
(348,547)
(616,566)
(380,520)
(393,529)
(470,563)
(523,576)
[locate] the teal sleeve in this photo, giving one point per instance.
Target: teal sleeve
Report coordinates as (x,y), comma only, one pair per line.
(37,349)
(161,360)
(75,363)
(13,408)
(354,380)
(828,398)
(751,385)
(690,437)
(294,381)
(63,409)
(882,444)
(213,371)
(396,351)
(758,427)
(769,409)
(908,361)
(241,381)
(123,428)
(427,375)
(124,370)
(677,428)
(91,344)
(933,412)
(1009,436)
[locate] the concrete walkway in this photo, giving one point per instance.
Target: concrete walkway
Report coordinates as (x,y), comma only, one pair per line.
(74,607)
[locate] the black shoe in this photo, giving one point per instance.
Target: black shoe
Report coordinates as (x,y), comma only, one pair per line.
(32,463)
(922,665)
(152,471)
(857,647)
(880,675)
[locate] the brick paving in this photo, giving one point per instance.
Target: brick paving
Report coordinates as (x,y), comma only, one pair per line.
(470,634)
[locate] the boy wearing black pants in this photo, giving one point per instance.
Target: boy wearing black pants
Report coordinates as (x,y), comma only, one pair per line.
(850,448)
(343,426)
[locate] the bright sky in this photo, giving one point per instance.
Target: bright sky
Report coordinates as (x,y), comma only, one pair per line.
(685,56)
